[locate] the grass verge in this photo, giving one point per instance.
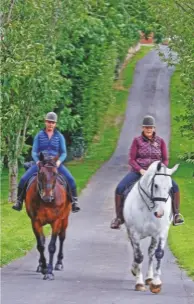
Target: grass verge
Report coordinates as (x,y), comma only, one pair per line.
(17,236)
(181,237)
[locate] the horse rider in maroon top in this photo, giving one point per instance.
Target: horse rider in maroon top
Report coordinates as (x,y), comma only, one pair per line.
(145,149)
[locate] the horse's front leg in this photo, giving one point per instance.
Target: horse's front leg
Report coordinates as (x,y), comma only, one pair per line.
(52,248)
(62,234)
(156,284)
(137,263)
(38,231)
(151,250)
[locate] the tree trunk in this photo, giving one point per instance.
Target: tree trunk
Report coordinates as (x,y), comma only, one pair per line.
(13,176)
(10,10)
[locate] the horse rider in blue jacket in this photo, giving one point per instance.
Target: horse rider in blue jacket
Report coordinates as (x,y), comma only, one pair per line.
(51,142)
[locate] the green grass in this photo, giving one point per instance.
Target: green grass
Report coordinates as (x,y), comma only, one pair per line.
(181,238)
(17,235)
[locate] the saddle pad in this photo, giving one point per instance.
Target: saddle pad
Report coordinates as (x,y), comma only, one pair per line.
(63,181)
(30,181)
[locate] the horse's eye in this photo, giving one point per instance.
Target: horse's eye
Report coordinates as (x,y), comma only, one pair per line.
(156,186)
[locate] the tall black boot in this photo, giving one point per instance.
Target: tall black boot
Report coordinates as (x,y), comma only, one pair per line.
(20,197)
(75,207)
(119,220)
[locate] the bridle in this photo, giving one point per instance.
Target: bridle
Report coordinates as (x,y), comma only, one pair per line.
(150,197)
(48,185)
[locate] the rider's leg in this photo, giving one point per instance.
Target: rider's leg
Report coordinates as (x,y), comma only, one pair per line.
(177,220)
(22,187)
(64,171)
(126,182)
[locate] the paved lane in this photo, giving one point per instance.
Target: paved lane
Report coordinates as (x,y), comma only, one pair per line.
(97,259)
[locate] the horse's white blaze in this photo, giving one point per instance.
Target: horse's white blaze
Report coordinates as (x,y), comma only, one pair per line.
(142,222)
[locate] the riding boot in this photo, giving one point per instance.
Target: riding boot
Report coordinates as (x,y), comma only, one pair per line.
(177,217)
(75,207)
(119,220)
(20,197)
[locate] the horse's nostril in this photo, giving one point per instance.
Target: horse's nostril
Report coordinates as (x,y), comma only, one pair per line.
(47,199)
(158,215)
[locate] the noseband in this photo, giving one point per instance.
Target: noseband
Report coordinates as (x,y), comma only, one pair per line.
(151,198)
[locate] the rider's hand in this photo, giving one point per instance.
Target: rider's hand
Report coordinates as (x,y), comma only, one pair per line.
(38,162)
(142,171)
(58,163)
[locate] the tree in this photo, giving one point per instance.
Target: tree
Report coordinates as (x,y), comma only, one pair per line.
(31,76)
(176,18)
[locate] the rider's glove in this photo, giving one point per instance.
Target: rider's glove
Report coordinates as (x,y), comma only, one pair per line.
(58,162)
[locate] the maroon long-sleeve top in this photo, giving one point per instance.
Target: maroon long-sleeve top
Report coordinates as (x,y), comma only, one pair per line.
(143,152)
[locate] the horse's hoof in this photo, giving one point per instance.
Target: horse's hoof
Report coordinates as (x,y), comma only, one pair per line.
(39,269)
(148,281)
(49,277)
(155,288)
(140,287)
(44,270)
(58,266)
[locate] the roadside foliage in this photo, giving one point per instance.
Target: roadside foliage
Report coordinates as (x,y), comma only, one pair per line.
(176,21)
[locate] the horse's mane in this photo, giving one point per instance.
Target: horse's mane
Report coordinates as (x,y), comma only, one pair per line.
(156,166)
(159,166)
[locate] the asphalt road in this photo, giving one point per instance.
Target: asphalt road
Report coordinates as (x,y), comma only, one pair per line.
(97,259)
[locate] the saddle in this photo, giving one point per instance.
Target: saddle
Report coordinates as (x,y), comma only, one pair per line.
(60,178)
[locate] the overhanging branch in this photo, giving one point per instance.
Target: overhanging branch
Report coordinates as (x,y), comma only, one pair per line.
(184,9)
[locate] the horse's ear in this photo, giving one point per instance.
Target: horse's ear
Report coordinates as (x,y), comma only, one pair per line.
(159,166)
(171,171)
(41,156)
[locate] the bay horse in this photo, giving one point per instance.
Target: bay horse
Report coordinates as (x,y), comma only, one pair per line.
(148,213)
(48,202)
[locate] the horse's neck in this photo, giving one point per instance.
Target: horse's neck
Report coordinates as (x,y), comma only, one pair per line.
(35,184)
(144,189)
(146,182)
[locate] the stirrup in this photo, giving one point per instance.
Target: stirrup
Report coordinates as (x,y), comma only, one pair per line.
(181,218)
(75,207)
